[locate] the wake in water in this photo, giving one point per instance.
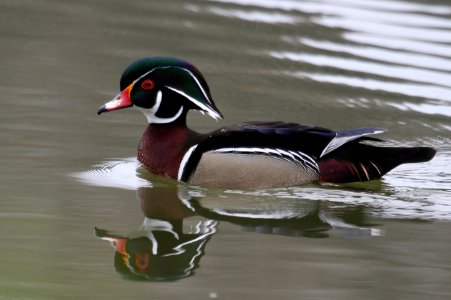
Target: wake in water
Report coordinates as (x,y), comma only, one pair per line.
(120,174)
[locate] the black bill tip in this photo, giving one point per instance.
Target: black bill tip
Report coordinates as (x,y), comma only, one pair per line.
(102,109)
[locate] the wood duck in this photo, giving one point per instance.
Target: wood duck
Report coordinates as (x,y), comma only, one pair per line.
(245,155)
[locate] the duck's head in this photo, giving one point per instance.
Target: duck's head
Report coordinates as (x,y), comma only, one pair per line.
(164,89)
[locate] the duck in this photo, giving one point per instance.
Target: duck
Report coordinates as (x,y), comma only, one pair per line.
(251,154)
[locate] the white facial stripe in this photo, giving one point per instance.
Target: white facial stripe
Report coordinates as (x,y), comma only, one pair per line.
(188,71)
(184,161)
(209,111)
(147,73)
(198,83)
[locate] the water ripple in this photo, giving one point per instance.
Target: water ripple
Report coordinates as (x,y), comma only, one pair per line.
(396,46)
(372,68)
(409,89)
(256,16)
(384,55)
(114,173)
(399,44)
(398,6)
(418,34)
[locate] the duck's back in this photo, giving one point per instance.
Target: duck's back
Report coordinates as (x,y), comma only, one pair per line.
(275,154)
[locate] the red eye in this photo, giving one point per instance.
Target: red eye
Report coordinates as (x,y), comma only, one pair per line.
(147,84)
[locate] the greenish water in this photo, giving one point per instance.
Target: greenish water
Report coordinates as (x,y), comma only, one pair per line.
(71,188)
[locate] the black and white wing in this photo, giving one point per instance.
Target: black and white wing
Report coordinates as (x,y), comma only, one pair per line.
(284,153)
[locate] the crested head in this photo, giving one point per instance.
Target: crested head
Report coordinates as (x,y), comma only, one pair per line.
(144,65)
(164,89)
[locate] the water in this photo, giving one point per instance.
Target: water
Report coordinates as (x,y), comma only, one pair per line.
(71,187)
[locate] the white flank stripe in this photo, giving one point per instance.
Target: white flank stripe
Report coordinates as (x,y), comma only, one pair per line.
(286,153)
(304,157)
(310,162)
(293,158)
(300,158)
(249,150)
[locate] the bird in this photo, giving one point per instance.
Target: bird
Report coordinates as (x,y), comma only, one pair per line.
(247,155)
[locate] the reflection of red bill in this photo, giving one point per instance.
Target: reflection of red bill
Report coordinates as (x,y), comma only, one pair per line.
(120,246)
(122,100)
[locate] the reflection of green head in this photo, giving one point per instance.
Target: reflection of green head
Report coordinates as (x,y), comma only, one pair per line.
(174,259)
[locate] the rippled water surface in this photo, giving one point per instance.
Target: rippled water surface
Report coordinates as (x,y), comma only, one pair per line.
(79,218)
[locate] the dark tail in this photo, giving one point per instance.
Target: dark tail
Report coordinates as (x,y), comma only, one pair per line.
(361,162)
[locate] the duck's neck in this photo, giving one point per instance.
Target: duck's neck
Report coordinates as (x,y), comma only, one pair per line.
(162,147)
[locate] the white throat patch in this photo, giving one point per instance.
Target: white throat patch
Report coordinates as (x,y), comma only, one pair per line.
(150,112)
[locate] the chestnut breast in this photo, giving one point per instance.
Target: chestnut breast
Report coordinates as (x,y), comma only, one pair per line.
(162,147)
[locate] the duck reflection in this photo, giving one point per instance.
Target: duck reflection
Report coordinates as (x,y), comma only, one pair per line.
(167,246)
(179,221)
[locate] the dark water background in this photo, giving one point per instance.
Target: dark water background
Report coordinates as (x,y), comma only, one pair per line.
(70,186)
